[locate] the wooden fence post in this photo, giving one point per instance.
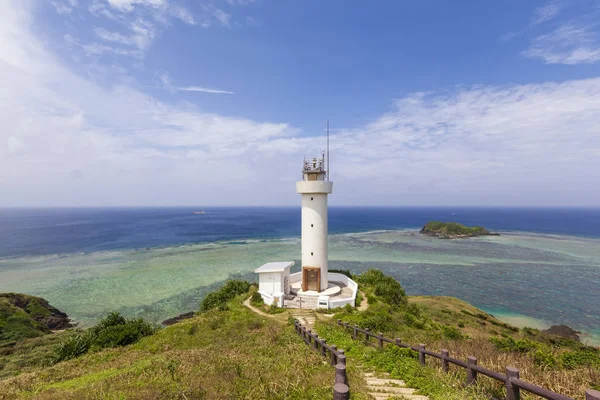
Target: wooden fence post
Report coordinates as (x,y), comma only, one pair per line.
(355,335)
(323,347)
(340,374)
(341,358)
(367,334)
(333,348)
(445,355)
(512,391)
(421,354)
(592,394)
(341,392)
(398,342)
(380,338)
(471,374)
(316,342)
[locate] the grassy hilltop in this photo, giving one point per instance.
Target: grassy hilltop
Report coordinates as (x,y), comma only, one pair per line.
(227,351)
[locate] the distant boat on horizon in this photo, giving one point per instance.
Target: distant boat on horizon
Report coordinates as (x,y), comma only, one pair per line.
(199,212)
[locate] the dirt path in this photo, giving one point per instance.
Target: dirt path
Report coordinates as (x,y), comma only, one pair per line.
(256,310)
(364,304)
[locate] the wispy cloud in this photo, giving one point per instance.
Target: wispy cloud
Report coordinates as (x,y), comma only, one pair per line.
(202,89)
(546,12)
(568,44)
(510,145)
(64,6)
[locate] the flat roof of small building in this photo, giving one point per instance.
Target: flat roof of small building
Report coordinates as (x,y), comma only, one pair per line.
(278,266)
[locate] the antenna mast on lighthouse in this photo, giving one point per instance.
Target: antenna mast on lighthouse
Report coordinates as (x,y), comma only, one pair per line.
(328,171)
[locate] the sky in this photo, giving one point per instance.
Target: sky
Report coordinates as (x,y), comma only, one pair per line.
(217,102)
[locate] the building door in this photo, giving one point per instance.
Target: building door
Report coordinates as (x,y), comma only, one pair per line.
(311,278)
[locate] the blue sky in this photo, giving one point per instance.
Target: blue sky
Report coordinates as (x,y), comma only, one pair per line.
(173,102)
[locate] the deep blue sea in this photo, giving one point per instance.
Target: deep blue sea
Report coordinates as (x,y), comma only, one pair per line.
(543,269)
(55,231)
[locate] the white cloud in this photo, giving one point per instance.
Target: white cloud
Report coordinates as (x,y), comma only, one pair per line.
(567,44)
(240,2)
(129,5)
(516,144)
(546,12)
(64,7)
(221,16)
(202,89)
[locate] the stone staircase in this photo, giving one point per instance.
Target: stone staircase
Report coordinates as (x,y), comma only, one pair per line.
(383,388)
(306,317)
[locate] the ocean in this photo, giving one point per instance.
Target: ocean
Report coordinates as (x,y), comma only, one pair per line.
(544,269)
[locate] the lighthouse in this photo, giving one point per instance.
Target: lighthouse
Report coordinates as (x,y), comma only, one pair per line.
(314,188)
(313,286)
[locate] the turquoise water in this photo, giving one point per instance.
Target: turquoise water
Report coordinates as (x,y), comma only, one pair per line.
(527,278)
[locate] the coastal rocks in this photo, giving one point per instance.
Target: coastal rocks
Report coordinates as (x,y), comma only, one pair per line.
(563,331)
(23,316)
(453,230)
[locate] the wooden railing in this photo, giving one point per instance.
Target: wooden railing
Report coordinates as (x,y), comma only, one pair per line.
(337,358)
(510,378)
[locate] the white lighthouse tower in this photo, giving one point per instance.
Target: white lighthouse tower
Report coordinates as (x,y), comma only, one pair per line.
(312,287)
(314,188)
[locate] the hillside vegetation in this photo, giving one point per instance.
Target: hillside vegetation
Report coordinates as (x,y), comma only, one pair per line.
(560,364)
(227,351)
(23,316)
(452,230)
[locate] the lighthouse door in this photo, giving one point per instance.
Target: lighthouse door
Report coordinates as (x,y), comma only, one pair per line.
(311,278)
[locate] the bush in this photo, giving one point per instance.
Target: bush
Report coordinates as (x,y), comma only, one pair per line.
(256,300)
(220,297)
(579,358)
(544,358)
(74,346)
(112,331)
(451,333)
(385,287)
(510,344)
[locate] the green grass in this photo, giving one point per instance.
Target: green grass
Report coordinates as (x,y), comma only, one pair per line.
(400,364)
(219,354)
(17,324)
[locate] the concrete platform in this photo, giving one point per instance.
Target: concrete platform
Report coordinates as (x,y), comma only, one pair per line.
(332,290)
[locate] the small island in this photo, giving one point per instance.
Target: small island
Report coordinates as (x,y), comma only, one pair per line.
(454,230)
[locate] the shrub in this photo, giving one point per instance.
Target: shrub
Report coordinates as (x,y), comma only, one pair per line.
(510,344)
(461,324)
(112,331)
(220,297)
(451,333)
(359,299)
(376,320)
(578,358)
(544,358)
(256,300)
(385,287)
(74,346)
(274,309)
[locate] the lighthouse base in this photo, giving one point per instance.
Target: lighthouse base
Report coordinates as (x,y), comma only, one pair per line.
(340,291)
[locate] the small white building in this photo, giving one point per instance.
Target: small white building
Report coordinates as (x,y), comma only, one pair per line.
(274,281)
